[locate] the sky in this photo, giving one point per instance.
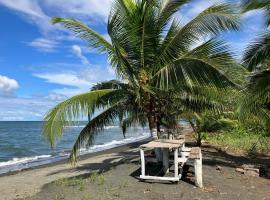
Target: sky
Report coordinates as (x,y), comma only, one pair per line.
(42,64)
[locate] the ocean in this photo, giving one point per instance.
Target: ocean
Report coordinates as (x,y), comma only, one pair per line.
(23,146)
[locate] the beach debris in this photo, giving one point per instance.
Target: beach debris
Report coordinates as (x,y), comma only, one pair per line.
(147,190)
(218,168)
(249,170)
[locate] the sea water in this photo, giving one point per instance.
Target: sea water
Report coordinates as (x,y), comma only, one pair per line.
(23,146)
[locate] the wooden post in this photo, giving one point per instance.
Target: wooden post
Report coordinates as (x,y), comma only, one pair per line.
(198,170)
(176,163)
(142,162)
(165,158)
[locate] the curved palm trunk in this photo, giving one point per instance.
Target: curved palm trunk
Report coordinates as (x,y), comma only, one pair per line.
(152,126)
(151,115)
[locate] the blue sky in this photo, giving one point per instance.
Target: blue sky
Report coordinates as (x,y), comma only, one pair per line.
(42,64)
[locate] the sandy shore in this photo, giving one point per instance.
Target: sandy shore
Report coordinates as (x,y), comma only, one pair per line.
(113,174)
(29,182)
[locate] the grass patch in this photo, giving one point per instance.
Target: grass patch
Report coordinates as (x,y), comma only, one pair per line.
(97,178)
(240,139)
(69,182)
(80,182)
(58,196)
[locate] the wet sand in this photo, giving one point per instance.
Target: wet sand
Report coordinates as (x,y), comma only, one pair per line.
(29,182)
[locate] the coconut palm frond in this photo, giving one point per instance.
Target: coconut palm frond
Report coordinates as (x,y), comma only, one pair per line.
(94,126)
(255,100)
(93,38)
(69,111)
(167,11)
(207,64)
(209,23)
(258,52)
(112,84)
(133,119)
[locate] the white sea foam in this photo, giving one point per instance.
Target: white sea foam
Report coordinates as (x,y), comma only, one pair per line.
(82,126)
(75,126)
(15,161)
(17,164)
(110,127)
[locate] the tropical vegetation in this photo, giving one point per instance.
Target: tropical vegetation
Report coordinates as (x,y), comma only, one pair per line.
(167,70)
(255,101)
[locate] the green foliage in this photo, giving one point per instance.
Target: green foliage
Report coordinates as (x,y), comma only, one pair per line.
(241,139)
(65,113)
(97,178)
(256,56)
(254,103)
(209,122)
(212,124)
(152,55)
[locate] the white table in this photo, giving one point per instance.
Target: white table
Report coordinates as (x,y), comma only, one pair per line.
(165,146)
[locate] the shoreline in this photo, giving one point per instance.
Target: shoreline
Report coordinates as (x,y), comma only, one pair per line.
(32,164)
(30,181)
(81,157)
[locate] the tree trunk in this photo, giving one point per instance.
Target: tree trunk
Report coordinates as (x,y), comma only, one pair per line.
(198,134)
(199,139)
(152,126)
(151,115)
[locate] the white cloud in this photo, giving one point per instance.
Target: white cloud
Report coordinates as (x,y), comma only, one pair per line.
(75,82)
(65,78)
(39,12)
(29,7)
(199,6)
(43,44)
(192,9)
(93,8)
(31,11)
(7,85)
(78,52)
(18,108)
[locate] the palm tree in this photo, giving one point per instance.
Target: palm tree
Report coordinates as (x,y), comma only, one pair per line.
(255,103)
(151,53)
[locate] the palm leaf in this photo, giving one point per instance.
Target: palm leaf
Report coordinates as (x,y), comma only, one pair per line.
(258,52)
(69,110)
(133,119)
(204,65)
(93,38)
(167,11)
(255,99)
(93,127)
(211,22)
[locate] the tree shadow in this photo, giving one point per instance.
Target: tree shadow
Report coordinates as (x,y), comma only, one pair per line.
(211,156)
(215,156)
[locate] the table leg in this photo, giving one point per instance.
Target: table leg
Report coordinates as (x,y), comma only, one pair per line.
(142,162)
(176,163)
(165,160)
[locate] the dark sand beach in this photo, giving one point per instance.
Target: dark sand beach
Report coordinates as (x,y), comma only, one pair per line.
(113,174)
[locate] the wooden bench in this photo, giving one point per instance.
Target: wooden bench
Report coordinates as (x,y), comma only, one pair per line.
(196,156)
(192,156)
